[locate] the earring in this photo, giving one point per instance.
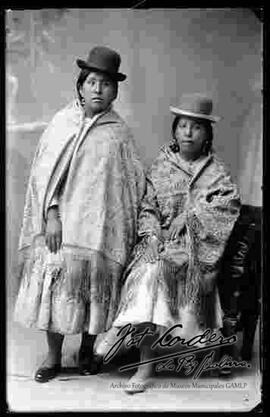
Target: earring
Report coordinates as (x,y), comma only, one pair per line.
(174,146)
(206,147)
(83,101)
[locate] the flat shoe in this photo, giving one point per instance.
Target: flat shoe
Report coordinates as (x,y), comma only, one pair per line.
(46,374)
(136,384)
(225,373)
(90,366)
(85,362)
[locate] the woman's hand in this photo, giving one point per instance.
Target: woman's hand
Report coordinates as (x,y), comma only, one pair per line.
(177,227)
(154,247)
(53,233)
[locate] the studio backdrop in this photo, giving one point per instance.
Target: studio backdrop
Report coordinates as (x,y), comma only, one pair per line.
(165,53)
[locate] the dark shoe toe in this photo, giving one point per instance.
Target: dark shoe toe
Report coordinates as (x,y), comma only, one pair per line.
(85,369)
(46,374)
(90,366)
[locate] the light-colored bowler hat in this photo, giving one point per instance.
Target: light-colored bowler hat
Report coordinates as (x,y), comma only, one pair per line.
(195,105)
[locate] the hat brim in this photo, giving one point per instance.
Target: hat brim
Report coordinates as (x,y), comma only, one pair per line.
(177,111)
(118,76)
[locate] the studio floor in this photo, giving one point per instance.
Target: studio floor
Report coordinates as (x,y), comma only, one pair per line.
(69,391)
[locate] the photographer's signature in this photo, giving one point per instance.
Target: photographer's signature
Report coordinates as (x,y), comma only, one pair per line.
(186,360)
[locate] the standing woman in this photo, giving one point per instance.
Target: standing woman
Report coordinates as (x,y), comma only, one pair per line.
(80,217)
(187,215)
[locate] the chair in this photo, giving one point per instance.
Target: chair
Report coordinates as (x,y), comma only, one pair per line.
(239,281)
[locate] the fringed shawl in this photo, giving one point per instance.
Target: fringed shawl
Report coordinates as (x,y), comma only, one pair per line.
(103,188)
(209,201)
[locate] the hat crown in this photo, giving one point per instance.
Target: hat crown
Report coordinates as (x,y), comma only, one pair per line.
(104,57)
(196,103)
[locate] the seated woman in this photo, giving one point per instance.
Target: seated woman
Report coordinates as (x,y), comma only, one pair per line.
(188,212)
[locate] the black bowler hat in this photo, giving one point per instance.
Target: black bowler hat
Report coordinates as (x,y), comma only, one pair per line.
(103,59)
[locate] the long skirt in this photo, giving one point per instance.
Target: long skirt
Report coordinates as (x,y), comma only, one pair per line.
(145,298)
(68,294)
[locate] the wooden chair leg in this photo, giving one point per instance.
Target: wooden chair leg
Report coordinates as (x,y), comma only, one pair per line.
(249,322)
(228,329)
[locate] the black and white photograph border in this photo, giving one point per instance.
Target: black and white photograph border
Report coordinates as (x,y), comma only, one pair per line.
(165,53)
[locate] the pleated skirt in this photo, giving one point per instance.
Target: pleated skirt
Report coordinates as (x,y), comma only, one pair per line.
(66,293)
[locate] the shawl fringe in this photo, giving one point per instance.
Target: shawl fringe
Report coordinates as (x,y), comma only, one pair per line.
(79,277)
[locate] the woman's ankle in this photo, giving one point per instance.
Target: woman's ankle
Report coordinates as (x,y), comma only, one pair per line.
(52,359)
(145,371)
(87,344)
(55,343)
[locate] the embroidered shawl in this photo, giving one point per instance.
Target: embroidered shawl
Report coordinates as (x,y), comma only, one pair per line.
(209,201)
(103,187)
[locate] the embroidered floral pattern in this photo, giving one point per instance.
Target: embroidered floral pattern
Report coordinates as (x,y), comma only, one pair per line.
(185,275)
